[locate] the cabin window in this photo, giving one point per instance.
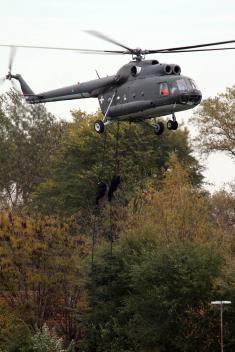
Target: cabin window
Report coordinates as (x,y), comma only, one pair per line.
(164,91)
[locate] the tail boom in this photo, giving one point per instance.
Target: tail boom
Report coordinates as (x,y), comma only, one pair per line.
(90,89)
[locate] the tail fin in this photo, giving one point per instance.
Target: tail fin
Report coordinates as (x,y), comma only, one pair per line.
(26,90)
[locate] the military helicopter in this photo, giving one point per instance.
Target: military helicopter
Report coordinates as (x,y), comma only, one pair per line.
(140,90)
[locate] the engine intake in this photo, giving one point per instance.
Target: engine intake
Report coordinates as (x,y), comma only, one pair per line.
(135,70)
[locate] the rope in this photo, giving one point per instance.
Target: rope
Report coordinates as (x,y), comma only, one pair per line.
(93,288)
(111,234)
(93,244)
(117,169)
(103,155)
(117,163)
(111,230)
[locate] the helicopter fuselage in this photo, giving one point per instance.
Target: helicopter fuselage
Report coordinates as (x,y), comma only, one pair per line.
(150,90)
(139,91)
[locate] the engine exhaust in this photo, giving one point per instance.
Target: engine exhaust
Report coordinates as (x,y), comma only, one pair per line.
(176,69)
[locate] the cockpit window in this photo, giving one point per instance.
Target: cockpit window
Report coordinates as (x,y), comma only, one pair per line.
(189,84)
(164,91)
(181,84)
(193,84)
(174,87)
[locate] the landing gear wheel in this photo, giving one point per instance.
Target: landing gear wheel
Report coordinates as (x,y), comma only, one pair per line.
(172,125)
(175,125)
(99,126)
(159,128)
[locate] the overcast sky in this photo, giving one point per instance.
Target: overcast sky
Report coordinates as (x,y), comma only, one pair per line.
(147,24)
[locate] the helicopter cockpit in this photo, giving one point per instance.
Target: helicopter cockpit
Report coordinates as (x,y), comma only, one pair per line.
(183,85)
(186,89)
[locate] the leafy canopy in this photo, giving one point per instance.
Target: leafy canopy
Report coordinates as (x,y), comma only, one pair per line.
(29,136)
(81,163)
(216,121)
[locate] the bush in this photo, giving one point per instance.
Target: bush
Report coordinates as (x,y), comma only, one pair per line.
(46,341)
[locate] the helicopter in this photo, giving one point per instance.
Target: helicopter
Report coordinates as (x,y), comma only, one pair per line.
(140,90)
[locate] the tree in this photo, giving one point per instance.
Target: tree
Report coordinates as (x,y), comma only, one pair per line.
(81,163)
(15,334)
(149,297)
(223,203)
(45,341)
(216,122)
(152,292)
(223,210)
(29,137)
(177,212)
(40,270)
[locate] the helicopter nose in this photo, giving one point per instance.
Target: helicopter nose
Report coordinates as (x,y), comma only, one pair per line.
(191,98)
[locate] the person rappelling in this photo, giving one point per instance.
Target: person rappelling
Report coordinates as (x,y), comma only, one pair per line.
(114,183)
(115,180)
(101,190)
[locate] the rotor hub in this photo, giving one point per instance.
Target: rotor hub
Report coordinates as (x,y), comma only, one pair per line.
(9,76)
(138,54)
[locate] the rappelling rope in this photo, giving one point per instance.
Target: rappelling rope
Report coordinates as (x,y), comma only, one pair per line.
(114,182)
(94,230)
(117,163)
(110,230)
(117,168)
(103,155)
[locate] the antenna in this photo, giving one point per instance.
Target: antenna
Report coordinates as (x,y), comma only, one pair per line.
(97,74)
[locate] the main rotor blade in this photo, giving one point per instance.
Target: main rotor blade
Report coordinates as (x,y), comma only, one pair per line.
(12,57)
(108,39)
(82,51)
(188,47)
(194,50)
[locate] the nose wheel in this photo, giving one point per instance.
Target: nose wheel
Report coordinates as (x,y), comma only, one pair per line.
(172,124)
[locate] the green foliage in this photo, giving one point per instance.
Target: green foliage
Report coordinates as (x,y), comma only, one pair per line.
(146,297)
(227,292)
(15,335)
(174,249)
(40,264)
(29,136)
(215,119)
(153,293)
(167,286)
(45,341)
(223,205)
(142,156)
(178,212)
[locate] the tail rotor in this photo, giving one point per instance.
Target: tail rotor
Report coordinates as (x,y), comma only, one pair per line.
(11,62)
(9,76)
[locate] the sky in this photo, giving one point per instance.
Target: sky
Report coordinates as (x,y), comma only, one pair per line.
(149,24)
